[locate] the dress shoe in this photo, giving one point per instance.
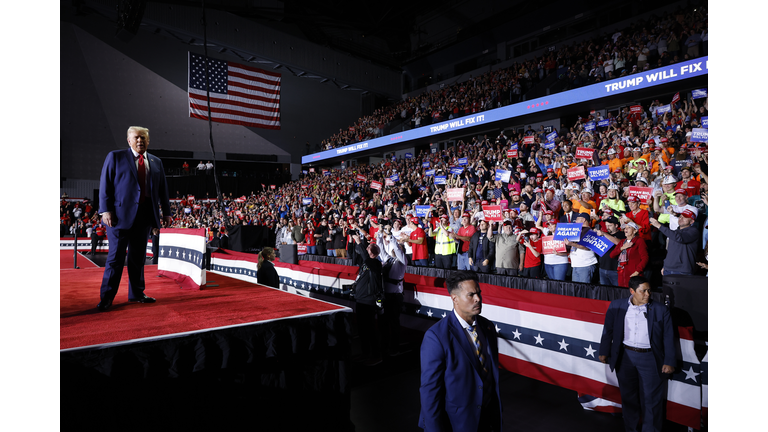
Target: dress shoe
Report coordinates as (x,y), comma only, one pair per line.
(104,305)
(144,299)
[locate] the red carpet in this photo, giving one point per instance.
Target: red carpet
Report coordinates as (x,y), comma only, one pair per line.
(67,260)
(233,302)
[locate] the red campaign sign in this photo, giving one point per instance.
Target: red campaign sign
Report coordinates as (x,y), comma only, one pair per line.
(376,185)
(511,154)
(641,192)
(550,246)
(388,182)
(528,140)
(636,109)
(576,173)
(304,186)
(311,170)
(191,198)
(455,194)
(238,212)
(492,213)
(272,187)
(197,207)
(360,177)
(584,153)
(301,249)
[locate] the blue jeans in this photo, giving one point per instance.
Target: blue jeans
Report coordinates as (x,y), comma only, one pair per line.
(609,277)
(584,274)
(462,261)
(331,252)
(420,263)
(312,250)
(556,271)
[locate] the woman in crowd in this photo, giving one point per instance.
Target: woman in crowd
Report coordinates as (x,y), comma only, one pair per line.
(266,273)
(632,254)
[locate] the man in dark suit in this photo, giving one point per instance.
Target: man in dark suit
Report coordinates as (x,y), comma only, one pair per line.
(569,216)
(132,188)
(644,357)
(460,365)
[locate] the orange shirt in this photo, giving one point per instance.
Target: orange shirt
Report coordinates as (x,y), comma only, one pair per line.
(578,208)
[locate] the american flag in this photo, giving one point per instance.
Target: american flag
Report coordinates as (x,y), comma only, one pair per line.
(240,94)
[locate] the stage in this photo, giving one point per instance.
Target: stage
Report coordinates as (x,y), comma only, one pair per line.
(198,350)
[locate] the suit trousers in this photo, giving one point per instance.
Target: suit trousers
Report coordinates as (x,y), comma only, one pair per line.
(642,391)
(135,240)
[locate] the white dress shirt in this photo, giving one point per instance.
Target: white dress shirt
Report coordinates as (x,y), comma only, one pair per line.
(636,326)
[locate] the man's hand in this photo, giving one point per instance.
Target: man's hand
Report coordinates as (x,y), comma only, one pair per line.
(654,222)
(667,369)
(471,261)
(603,359)
(168,221)
(106,219)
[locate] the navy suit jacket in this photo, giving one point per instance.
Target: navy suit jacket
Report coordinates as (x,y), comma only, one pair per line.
(119,188)
(451,382)
(660,332)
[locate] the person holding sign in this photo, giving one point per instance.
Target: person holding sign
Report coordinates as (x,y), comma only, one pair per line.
(631,254)
(445,247)
(639,217)
(613,201)
(583,260)
(531,239)
(464,235)
(418,242)
(508,250)
(607,265)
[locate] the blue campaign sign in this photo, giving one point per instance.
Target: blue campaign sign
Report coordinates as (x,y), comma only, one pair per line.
(457,170)
(589,126)
(503,175)
(513,146)
(570,231)
(549,145)
(599,245)
(551,136)
(699,135)
(599,173)
(699,94)
(432,150)
(306,201)
(326,173)
(409,155)
(434,132)
(302,171)
(425,165)
(439,180)
(395,177)
(422,210)
(604,123)
(463,161)
(705,122)
(429,173)
(663,109)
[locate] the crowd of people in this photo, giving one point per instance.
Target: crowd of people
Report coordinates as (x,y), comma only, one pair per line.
(644,45)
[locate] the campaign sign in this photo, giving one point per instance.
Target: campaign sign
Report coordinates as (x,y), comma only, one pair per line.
(409,155)
(326,173)
(552,136)
(576,173)
(705,122)
(304,186)
(513,146)
(550,246)
(663,109)
(549,145)
(492,213)
(272,187)
(699,135)
(425,165)
(197,206)
(429,173)
(463,161)
(699,94)
(512,153)
(376,185)
(570,231)
(604,123)
(360,177)
(503,175)
(455,194)
(301,249)
(584,153)
(395,177)
(311,170)
(306,201)
(388,182)
(599,245)
(439,180)
(636,109)
(433,150)
(421,210)
(504,204)
(599,173)
(304,172)
(643,193)
(457,170)
(529,139)
(590,126)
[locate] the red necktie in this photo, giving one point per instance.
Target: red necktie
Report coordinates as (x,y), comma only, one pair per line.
(142,177)
(569,218)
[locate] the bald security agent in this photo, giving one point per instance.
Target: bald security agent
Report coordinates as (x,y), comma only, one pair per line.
(460,365)
(131,192)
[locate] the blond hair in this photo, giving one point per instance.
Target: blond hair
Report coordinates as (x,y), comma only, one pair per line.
(138,129)
(265,254)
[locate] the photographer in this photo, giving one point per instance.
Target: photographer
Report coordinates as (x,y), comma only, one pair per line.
(369,296)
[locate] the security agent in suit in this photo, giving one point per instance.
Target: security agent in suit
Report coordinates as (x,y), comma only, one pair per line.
(638,343)
(129,207)
(460,388)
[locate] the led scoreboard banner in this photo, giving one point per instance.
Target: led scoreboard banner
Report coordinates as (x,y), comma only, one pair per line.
(638,81)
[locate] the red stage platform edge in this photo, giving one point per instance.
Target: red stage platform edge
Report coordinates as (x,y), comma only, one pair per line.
(231,303)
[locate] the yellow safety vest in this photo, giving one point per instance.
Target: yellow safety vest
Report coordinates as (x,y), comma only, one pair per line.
(444,245)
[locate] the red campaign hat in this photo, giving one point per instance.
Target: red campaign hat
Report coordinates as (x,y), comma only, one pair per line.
(515,192)
(553,221)
(668,167)
(663,139)
(689,214)
(617,170)
(466,215)
(633,199)
(539,175)
(415,220)
(548,212)
(608,211)
(550,170)
(533,230)
(374,219)
(484,202)
(681,191)
(643,161)
(443,216)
